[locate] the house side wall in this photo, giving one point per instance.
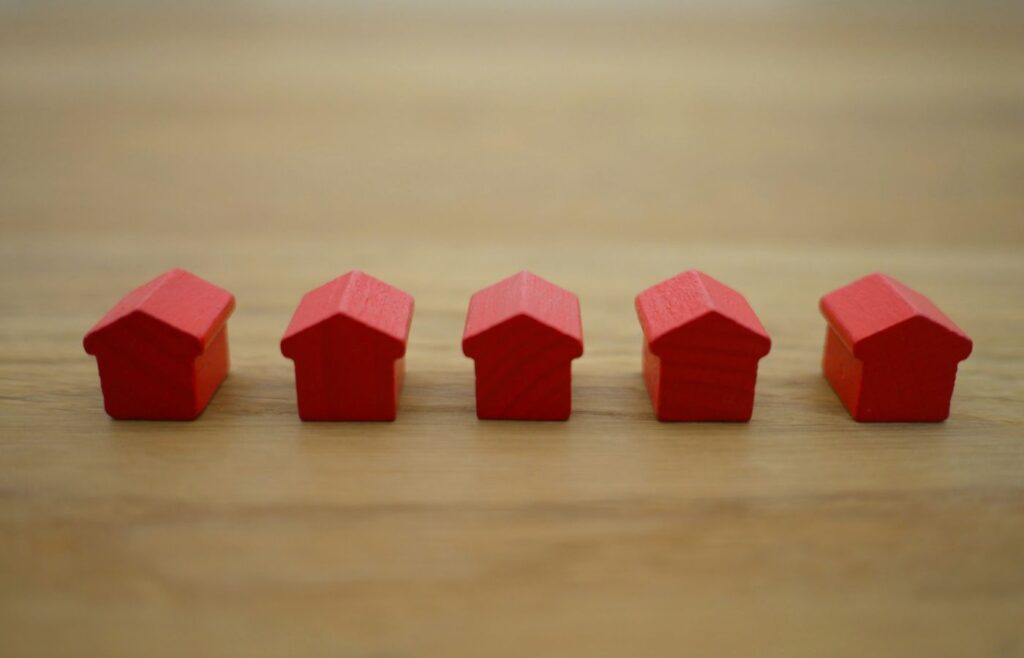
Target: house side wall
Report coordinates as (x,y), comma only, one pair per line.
(398,371)
(652,375)
(211,367)
(842,370)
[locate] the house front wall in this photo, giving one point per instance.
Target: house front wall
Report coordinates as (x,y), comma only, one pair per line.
(141,382)
(702,385)
(908,383)
(527,388)
(906,388)
(339,383)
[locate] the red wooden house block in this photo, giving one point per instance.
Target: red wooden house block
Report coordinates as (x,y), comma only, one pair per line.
(890,354)
(348,339)
(702,343)
(163,349)
(523,333)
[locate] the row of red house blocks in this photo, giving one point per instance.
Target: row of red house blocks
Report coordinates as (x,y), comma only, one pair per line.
(890,353)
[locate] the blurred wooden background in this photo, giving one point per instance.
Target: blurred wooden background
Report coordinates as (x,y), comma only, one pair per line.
(269,150)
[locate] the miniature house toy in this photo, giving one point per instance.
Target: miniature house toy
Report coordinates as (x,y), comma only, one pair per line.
(163,349)
(702,343)
(348,339)
(523,334)
(890,353)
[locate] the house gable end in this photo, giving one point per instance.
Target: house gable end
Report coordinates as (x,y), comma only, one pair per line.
(709,332)
(140,326)
(693,301)
(522,334)
(340,331)
(916,335)
(526,294)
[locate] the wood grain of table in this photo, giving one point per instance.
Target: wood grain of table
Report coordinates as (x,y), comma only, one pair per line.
(270,150)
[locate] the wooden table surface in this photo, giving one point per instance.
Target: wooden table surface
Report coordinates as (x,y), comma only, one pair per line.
(270,151)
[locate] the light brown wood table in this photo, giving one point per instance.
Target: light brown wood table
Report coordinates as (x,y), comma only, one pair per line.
(271,150)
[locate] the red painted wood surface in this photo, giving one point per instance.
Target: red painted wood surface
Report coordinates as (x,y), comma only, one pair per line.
(702,344)
(163,349)
(348,339)
(523,334)
(890,354)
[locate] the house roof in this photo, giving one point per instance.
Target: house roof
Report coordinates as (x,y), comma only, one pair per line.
(693,300)
(523,295)
(178,306)
(871,308)
(361,298)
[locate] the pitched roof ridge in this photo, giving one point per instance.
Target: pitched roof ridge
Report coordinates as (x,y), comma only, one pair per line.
(900,291)
(523,279)
(343,294)
(709,299)
(158,283)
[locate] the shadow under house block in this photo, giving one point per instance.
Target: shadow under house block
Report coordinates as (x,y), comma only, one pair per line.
(702,344)
(890,354)
(348,339)
(163,349)
(523,334)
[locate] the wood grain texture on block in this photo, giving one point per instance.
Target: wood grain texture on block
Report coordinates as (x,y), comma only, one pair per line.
(523,334)
(163,349)
(890,354)
(348,340)
(702,343)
